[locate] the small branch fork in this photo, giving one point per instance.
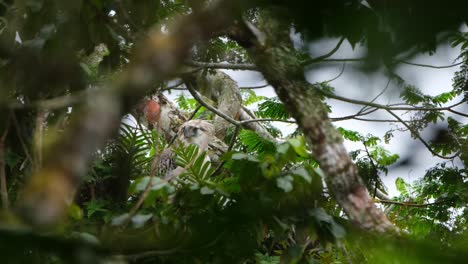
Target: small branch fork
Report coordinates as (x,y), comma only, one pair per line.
(236,123)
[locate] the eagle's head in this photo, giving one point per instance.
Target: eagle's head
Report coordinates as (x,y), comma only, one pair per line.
(196,132)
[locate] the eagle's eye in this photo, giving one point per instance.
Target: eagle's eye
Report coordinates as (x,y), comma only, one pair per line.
(190,131)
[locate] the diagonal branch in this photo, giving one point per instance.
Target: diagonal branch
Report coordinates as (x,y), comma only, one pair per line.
(157,58)
(305,105)
(321,58)
(213,109)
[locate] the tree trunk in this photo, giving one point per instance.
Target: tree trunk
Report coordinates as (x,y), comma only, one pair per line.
(273,52)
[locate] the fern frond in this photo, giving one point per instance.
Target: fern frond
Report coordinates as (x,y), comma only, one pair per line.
(185,154)
(250,97)
(133,147)
(255,143)
(272,108)
(198,168)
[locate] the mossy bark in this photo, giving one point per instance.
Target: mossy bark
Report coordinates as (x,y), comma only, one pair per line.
(272,50)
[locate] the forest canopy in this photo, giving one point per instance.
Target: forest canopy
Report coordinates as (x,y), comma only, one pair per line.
(126,138)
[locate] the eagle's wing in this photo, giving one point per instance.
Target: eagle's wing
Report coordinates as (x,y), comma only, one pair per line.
(163,163)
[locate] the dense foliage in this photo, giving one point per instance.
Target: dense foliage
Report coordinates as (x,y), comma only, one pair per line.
(264,200)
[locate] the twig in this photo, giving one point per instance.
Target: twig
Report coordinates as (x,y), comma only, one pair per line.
(18,133)
(3,181)
(194,112)
(321,58)
(458,113)
(376,172)
(174,87)
(243,122)
(406,203)
(335,119)
(140,201)
(254,87)
(197,97)
(430,66)
(221,65)
(418,136)
(338,76)
(378,95)
(362,59)
(53,103)
(231,145)
(373,120)
(388,107)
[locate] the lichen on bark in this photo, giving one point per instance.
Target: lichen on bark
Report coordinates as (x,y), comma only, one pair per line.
(276,58)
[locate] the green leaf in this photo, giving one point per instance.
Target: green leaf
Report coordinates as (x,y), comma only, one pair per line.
(272,108)
(285,183)
(266,259)
(75,212)
(444,97)
(206,190)
(412,95)
(95,206)
(292,255)
(299,147)
(303,173)
(231,185)
(326,223)
(255,143)
(402,186)
(250,97)
(350,134)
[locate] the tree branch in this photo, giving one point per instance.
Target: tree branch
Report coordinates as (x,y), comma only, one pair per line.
(254,87)
(197,97)
(388,107)
(157,58)
(418,136)
(406,203)
(222,65)
(305,105)
(363,59)
(430,66)
(321,58)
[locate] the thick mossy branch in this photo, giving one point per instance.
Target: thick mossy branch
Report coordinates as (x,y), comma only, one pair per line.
(158,57)
(276,59)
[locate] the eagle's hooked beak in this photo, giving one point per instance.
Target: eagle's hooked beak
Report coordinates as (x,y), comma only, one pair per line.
(190,131)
